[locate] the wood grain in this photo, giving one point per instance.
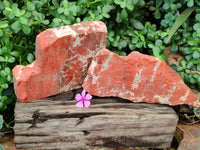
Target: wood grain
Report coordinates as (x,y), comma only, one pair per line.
(110,123)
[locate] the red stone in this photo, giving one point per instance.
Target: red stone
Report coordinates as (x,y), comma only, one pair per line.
(62,58)
(137,77)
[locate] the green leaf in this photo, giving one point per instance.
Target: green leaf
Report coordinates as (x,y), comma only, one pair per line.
(188,57)
(192,80)
(30,6)
(187,71)
(134,39)
(198,67)
(124,14)
(60,10)
(197,17)
(57,20)
(190,65)
(107,8)
(7,70)
(150,45)
(121,3)
(166,6)
(158,3)
(1,147)
(26,29)
(1,121)
(174,48)
(130,7)
(196,27)
(190,3)
(123,43)
(45,22)
(118,18)
(1,32)
(137,24)
(23,20)
(2,59)
(162,57)
(187,50)
(196,55)
(179,21)
(5,25)
(156,51)
(16,26)
(158,42)
(157,14)
(30,58)
(73,8)
(4,86)
(8,9)
(11,59)
(183,63)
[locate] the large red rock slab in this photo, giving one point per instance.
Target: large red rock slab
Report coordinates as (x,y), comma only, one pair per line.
(137,77)
(62,58)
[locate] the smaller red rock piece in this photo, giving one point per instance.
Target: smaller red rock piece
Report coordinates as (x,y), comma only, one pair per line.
(137,77)
(63,56)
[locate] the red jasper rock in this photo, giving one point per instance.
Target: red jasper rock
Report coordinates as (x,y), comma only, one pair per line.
(137,77)
(62,58)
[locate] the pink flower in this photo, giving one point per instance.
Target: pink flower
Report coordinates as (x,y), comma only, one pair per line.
(83,99)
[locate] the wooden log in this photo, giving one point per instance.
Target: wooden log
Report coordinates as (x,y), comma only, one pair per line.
(56,123)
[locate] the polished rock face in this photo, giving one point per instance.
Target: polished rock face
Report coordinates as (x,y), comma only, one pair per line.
(137,77)
(63,56)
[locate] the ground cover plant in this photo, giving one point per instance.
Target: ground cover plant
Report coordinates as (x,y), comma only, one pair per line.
(145,26)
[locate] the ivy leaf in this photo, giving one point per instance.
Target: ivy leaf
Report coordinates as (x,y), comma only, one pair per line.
(179,21)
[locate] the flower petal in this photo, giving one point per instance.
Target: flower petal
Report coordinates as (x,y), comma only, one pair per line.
(83,93)
(79,104)
(88,97)
(87,104)
(78,97)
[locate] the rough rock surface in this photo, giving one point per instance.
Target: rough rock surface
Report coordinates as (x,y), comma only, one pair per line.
(62,58)
(137,77)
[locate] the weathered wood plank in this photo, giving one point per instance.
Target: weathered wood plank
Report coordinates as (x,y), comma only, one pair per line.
(56,123)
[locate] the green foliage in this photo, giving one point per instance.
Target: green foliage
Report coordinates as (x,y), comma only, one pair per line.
(1,121)
(1,125)
(132,25)
(179,21)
